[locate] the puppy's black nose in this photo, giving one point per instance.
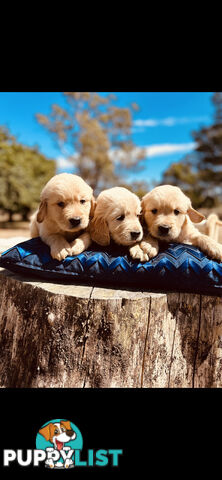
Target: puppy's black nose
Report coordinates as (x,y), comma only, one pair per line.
(134,235)
(69,433)
(164,229)
(75,221)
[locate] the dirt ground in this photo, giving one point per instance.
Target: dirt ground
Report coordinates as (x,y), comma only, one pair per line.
(22,231)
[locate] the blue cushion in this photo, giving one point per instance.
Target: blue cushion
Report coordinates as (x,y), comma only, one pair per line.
(178,267)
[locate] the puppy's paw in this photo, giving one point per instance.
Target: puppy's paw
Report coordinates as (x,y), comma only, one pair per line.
(138,254)
(77,247)
(150,250)
(50,463)
(59,254)
(210,247)
(68,463)
(216,253)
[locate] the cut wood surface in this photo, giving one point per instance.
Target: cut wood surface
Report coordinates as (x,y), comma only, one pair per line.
(62,335)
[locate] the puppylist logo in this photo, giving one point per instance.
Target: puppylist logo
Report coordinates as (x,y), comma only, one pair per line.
(58,446)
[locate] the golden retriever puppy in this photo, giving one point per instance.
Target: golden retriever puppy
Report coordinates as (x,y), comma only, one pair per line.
(63,216)
(116,217)
(168,214)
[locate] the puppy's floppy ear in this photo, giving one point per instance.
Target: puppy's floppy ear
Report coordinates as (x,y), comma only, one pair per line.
(93,207)
(143,223)
(142,216)
(195,216)
(46,431)
(142,220)
(143,205)
(42,211)
(66,424)
(99,230)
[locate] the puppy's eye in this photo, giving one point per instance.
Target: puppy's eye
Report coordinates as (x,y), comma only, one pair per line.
(61,204)
(121,218)
(154,211)
(56,431)
(176,212)
(82,201)
(63,429)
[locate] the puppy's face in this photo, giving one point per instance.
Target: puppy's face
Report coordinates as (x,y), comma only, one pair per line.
(117,216)
(58,433)
(66,200)
(165,209)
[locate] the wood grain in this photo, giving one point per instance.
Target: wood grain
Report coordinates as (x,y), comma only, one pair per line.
(62,335)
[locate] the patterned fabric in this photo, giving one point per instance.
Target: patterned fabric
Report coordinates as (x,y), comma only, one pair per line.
(180,267)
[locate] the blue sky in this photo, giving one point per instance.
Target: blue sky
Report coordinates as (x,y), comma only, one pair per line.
(163,124)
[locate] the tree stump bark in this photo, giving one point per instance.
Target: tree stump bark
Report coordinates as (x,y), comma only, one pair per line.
(62,335)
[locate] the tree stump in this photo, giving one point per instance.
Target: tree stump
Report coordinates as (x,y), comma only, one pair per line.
(62,335)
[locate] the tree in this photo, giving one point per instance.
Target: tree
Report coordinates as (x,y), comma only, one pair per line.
(200,173)
(184,176)
(96,136)
(23,173)
(140,188)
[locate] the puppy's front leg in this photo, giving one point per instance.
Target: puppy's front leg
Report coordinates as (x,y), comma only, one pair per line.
(208,245)
(59,247)
(80,244)
(150,246)
(145,250)
(137,253)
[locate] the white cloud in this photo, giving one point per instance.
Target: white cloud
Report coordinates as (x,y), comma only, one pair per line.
(168,148)
(63,163)
(154,150)
(169,121)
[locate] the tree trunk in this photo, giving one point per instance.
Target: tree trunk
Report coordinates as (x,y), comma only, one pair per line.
(10,213)
(25,213)
(62,335)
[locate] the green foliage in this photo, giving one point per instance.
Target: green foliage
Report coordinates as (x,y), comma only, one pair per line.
(184,176)
(199,174)
(23,173)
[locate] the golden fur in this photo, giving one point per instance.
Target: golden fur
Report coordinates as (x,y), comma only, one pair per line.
(168,214)
(65,198)
(116,217)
